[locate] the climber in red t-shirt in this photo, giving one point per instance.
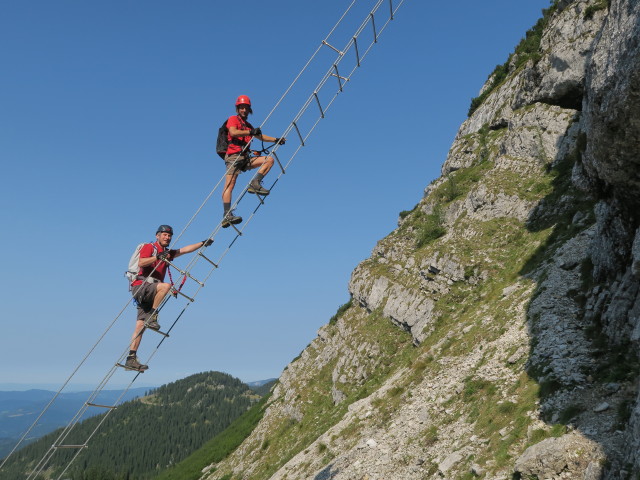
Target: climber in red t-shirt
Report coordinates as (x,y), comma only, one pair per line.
(149,288)
(239,158)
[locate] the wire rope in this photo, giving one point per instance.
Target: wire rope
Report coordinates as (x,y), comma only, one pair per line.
(293,125)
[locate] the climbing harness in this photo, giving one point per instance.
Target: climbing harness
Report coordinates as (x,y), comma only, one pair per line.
(301,128)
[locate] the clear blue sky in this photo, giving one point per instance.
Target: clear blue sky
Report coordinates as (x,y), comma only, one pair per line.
(108,118)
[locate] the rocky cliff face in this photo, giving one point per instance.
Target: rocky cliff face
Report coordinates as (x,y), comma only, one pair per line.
(495,332)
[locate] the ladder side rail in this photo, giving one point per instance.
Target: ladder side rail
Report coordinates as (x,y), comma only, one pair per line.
(66,382)
(95,430)
(304,68)
(72,423)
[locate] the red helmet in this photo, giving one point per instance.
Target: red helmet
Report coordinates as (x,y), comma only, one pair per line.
(243,100)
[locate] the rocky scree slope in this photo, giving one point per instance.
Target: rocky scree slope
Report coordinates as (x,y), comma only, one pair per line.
(494,333)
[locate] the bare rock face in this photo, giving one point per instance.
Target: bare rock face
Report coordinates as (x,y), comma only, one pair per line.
(612,106)
(558,78)
(611,161)
(569,456)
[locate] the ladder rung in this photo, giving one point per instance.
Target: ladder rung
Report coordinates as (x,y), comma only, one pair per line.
(324,42)
(208,259)
(373,24)
(236,229)
(159,332)
(346,79)
(185,296)
(183,272)
(315,94)
(129,368)
(298,130)
(71,446)
(355,44)
(98,405)
(278,160)
(338,76)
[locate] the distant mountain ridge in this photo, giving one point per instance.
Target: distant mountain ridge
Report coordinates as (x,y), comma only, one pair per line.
(144,436)
(19,409)
(259,383)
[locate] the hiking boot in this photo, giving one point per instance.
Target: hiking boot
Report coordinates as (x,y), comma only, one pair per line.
(153,325)
(257,188)
(152,322)
(133,363)
(230,219)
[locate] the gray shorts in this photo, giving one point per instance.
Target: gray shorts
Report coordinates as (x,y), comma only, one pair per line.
(237,163)
(144,294)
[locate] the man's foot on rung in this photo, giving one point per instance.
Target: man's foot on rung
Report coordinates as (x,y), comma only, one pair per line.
(230,219)
(257,188)
(133,364)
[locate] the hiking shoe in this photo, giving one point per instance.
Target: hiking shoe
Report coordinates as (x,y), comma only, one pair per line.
(257,188)
(134,364)
(153,325)
(230,219)
(152,322)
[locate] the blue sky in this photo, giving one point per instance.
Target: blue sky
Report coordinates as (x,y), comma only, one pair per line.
(108,118)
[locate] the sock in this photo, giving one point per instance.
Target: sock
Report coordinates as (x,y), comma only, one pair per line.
(258,178)
(227,207)
(132,353)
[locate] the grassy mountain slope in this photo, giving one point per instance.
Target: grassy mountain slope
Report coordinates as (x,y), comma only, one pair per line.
(218,447)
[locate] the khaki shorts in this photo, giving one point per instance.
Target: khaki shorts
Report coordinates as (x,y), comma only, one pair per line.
(144,294)
(237,163)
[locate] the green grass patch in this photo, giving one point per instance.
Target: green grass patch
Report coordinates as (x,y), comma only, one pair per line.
(219,447)
(405,213)
(430,228)
(492,415)
(527,49)
(430,436)
(341,310)
(596,7)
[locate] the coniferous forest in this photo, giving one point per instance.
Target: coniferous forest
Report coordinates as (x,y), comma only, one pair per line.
(142,437)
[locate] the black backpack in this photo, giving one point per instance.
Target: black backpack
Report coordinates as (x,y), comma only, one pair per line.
(222,142)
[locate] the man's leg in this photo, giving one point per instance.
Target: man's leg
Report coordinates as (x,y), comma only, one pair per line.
(144,294)
(161,291)
(228,218)
(229,184)
(265,164)
(137,336)
(132,359)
